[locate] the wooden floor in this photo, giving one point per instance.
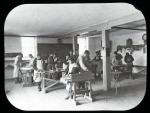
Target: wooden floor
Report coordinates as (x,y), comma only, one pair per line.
(129,95)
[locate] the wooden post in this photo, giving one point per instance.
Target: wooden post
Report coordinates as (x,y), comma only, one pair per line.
(75,44)
(106,60)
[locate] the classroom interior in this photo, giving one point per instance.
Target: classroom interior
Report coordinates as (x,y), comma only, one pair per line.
(61,28)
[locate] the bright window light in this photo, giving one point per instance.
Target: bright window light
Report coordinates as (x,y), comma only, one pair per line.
(83,44)
(28,46)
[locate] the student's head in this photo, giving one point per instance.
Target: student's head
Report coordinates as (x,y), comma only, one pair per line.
(38,56)
(71,60)
(97,52)
(127,53)
(86,53)
(67,56)
(54,55)
(30,55)
(115,53)
(70,53)
(20,55)
(65,62)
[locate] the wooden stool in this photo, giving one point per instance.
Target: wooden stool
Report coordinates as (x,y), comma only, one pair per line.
(116,75)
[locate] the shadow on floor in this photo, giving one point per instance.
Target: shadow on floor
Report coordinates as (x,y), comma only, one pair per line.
(128,88)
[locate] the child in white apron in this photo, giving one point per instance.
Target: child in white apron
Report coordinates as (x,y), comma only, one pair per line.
(17,65)
(73,68)
(37,71)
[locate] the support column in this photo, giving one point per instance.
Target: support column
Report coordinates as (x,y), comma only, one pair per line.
(106,60)
(75,44)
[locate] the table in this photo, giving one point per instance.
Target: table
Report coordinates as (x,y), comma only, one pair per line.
(86,77)
(27,74)
(143,70)
(116,74)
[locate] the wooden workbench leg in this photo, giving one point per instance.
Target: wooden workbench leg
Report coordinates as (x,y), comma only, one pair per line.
(74,88)
(70,91)
(116,84)
(23,78)
(74,97)
(85,88)
(43,85)
(90,92)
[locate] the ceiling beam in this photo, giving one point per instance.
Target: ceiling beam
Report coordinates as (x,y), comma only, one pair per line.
(107,24)
(128,28)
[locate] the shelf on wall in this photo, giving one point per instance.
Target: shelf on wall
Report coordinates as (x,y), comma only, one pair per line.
(134,47)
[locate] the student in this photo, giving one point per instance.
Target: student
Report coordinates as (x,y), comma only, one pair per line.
(72,69)
(70,54)
(65,68)
(17,66)
(98,64)
(116,61)
(31,61)
(38,67)
(98,56)
(85,63)
(50,62)
(31,64)
(66,58)
(55,58)
(129,61)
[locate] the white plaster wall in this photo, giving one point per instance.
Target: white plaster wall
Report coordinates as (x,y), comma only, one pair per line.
(118,39)
(67,40)
(12,44)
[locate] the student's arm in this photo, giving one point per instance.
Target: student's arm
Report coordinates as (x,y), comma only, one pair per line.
(34,64)
(125,59)
(132,58)
(16,61)
(82,64)
(113,62)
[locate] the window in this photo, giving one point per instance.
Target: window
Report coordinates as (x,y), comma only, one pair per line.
(29,46)
(83,44)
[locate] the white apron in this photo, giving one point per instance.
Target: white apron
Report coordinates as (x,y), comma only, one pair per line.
(37,76)
(16,71)
(16,67)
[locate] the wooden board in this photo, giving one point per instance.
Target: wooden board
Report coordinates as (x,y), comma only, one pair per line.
(84,76)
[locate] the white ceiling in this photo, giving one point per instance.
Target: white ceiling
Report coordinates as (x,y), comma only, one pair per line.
(57,19)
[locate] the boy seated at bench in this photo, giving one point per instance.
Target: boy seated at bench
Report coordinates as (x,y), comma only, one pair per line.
(72,69)
(38,67)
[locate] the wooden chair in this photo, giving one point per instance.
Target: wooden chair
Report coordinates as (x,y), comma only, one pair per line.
(86,77)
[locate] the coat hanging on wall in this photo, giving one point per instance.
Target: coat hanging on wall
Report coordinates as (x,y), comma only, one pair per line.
(129,42)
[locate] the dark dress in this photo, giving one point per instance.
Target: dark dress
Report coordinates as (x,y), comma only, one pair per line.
(129,61)
(50,62)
